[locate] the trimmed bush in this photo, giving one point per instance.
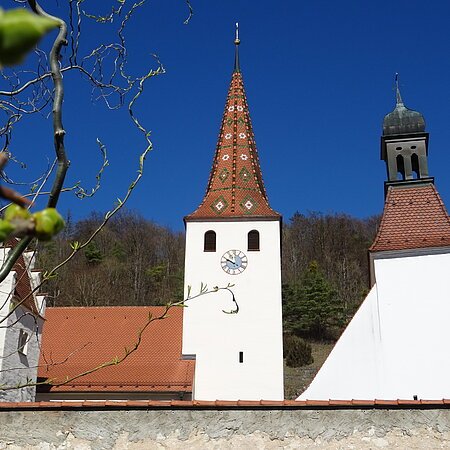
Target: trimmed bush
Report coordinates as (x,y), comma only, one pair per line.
(296,351)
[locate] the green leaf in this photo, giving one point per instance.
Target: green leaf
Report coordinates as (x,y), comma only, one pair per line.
(75,245)
(20,31)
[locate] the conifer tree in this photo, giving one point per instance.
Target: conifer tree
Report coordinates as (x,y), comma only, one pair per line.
(312,308)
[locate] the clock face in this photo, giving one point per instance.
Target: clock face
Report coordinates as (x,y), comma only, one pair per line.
(234,262)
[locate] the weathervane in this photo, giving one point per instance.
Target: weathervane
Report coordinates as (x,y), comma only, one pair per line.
(397,90)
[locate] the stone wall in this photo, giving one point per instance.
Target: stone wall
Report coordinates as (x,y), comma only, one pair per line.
(256,428)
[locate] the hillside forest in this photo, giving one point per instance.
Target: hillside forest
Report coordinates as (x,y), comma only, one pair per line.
(137,262)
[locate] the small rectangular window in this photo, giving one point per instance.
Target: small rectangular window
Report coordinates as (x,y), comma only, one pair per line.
(22,344)
(241,357)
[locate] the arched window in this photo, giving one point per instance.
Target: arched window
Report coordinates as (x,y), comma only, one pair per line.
(210,241)
(253,241)
(400,168)
(415,165)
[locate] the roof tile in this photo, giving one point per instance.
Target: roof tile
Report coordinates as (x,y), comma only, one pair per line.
(76,340)
(413,217)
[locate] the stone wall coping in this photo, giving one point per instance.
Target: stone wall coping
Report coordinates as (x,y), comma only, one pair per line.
(226,404)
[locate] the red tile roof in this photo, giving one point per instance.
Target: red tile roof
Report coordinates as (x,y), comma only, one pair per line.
(235,187)
(76,340)
(414,217)
(23,290)
(239,404)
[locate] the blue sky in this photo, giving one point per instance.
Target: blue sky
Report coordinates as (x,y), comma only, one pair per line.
(319,79)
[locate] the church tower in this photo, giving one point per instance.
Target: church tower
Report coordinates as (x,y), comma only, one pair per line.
(396,345)
(404,144)
(234,238)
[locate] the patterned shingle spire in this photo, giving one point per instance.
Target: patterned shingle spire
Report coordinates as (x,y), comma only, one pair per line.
(235,187)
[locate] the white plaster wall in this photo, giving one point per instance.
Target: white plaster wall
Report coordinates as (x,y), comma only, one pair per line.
(5,291)
(217,338)
(19,369)
(16,368)
(397,345)
(350,370)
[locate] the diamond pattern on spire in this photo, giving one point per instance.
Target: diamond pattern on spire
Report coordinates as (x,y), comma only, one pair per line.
(224,174)
(248,204)
(245,175)
(220,205)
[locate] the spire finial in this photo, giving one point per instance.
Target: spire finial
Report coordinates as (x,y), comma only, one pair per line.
(237,41)
(397,91)
(236,55)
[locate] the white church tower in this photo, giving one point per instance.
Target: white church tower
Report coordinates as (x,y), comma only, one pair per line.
(234,238)
(396,346)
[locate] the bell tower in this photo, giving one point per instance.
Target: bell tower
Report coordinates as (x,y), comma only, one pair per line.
(383,353)
(233,238)
(404,144)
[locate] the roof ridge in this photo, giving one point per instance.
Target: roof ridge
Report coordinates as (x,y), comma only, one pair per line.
(383,220)
(441,203)
(106,307)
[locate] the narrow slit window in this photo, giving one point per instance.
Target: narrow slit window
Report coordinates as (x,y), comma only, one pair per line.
(415,165)
(253,241)
(400,168)
(210,241)
(22,344)
(241,357)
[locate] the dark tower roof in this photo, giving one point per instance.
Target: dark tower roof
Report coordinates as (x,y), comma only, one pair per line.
(402,120)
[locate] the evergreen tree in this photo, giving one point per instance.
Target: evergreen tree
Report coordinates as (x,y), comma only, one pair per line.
(311,308)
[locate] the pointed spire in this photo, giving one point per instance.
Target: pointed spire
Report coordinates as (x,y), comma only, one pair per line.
(235,187)
(397,91)
(236,55)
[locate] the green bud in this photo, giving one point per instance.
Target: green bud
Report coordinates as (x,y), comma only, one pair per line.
(20,31)
(48,222)
(14,211)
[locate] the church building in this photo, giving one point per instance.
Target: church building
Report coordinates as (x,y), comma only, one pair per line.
(396,346)
(234,238)
(226,345)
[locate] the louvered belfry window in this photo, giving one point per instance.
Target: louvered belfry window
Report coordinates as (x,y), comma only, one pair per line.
(210,241)
(253,240)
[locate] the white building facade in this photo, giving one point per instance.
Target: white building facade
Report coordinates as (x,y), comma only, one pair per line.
(21,321)
(396,346)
